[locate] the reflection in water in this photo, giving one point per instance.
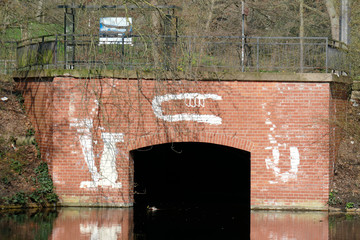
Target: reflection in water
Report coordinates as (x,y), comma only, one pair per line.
(20,224)
(115,223)
(100,232)
(94,223)
(289,225)
(343,226)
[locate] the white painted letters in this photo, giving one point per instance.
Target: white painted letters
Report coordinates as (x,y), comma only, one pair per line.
(191,100)
(273,162)
(108,174)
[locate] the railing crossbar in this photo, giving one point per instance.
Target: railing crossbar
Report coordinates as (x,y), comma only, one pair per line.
(181,53)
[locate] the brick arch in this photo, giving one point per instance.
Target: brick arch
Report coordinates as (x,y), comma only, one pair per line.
(220,139)
(273,116)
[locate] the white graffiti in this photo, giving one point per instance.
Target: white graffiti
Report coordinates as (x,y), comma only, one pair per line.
(101,233)
(108,174)
(194,101)
(191,100)
(273,163)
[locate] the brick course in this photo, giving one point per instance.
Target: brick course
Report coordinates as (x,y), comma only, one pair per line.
(285,125)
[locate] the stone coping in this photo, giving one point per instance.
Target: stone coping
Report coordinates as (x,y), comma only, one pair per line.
(171,75)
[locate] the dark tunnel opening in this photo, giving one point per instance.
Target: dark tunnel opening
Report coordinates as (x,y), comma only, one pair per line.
(206,186)
(186,172)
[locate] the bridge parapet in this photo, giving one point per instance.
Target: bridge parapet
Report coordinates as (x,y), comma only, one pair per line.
(184,54)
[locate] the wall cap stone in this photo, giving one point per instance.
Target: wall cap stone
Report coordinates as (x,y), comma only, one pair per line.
(171,75)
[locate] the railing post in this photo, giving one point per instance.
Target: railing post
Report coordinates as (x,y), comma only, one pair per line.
(326,55)
(65,51)
(242,36)
(40,59)
(123,63)
(242,53)
(16,55)
(73,51)
(55,50)
(301,54)
(189,48)
(257,54)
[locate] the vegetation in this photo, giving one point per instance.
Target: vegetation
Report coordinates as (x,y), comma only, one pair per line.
(45,190)
(20,20)
(334,199)
(350,205)
(24,178)
(16,168)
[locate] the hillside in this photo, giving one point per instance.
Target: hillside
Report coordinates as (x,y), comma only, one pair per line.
(23,176)
(345,190)
(346,185)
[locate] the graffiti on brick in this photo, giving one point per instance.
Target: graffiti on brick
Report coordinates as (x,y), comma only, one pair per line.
(273,161)
(108,174)
(191,100)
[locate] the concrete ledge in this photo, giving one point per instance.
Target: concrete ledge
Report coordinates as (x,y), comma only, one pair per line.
(355,95)
(290,208)
(287,208)
(85,201)
(304,206)
(173,75)
(335,210)
(353,210)
(27,206)
(112,205)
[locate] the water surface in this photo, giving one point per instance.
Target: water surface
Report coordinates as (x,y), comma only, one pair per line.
(190,222)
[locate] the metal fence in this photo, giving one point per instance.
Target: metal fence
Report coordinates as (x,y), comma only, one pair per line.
(338,57)
(182,53)
(7,57)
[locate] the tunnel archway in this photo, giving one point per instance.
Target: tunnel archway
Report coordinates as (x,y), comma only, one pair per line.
(202,191)
(191,173)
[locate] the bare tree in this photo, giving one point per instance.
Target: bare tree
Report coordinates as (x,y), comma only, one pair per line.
(40,11)
(334,19)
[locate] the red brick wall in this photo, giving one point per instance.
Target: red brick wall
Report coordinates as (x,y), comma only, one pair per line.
(38,100)
(285,126)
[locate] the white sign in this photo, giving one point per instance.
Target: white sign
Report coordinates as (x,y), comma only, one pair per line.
(115,30)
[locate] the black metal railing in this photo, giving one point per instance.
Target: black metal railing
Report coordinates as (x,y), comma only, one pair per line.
(7,57)
(181,53)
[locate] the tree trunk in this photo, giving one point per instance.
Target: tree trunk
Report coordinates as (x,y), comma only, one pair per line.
(345,19)
(206,32)
(334,19)
(39,11)
(301,35)
(211,12)
(156,41)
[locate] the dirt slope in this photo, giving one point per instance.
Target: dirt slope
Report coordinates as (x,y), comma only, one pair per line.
(17,162)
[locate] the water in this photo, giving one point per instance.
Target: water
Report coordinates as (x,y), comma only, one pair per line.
(190,222)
